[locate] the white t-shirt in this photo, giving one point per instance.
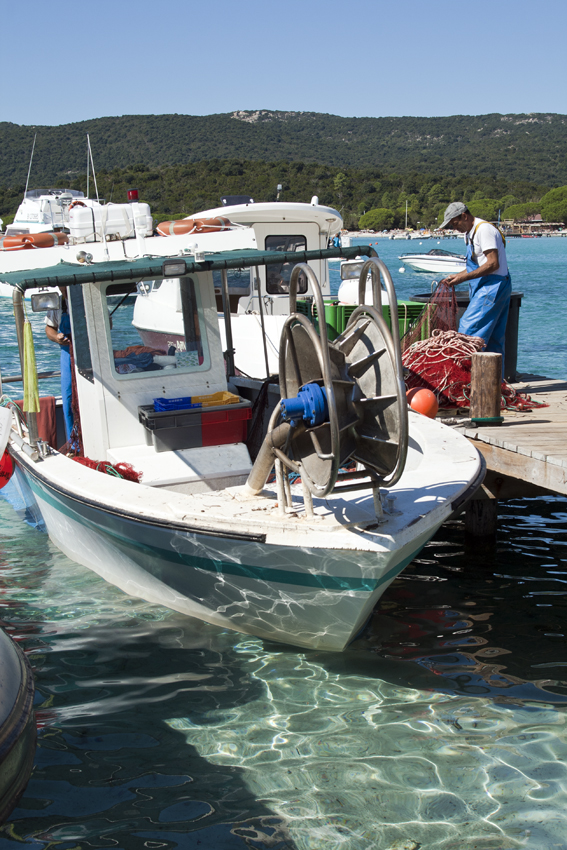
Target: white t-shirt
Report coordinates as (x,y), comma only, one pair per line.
(487,238)
(53,318)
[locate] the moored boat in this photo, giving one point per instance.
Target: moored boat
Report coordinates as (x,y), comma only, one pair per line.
(207,532)
(436,261)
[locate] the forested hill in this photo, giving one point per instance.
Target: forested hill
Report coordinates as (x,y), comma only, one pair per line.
(512,147)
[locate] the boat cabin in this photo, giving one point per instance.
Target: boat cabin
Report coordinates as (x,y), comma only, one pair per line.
(163,408)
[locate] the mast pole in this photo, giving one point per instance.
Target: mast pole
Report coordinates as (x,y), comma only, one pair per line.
(92,165)
(29,168)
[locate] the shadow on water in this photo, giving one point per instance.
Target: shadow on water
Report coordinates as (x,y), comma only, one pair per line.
(475,621)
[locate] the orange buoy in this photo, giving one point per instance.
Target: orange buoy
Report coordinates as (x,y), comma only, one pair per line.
(423,401)
(193,225)
(6,469)
(23,241)
(76,204)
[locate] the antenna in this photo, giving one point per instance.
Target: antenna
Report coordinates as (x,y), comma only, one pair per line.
(92,164)
(29,169)
(88,165)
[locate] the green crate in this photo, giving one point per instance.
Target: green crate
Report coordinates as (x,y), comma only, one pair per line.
(337,315)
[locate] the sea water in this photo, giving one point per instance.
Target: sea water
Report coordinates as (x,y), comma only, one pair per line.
(442,726)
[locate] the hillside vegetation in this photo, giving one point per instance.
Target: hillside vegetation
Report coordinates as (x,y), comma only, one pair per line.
(182,164)
(512,147)
(181,190)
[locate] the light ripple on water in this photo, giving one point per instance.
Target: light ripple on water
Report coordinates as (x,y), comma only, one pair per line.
(347,762)
(442,727)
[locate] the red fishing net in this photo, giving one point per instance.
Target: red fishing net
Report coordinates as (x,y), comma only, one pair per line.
(442,364)
(119,470)
(438,358)
(439,314)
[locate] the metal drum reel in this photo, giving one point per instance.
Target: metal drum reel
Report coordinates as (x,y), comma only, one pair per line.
(342,401)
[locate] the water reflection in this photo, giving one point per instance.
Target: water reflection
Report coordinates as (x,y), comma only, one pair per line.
(444,719)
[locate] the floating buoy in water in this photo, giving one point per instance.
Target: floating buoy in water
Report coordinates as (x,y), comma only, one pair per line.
(6,469)
(401,270)
(423,401)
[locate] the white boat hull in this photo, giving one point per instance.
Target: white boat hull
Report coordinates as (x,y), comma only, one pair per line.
(433,265)
(312,583)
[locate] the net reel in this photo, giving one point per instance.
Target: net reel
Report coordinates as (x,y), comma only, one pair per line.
(342,401)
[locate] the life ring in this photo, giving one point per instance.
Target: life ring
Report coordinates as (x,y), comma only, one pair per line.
(6,469)
(76,204)
(193,225)
(23,241)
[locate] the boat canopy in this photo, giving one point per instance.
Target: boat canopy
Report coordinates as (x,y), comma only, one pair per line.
(149,268)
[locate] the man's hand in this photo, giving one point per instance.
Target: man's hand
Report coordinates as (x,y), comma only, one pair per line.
(454,279)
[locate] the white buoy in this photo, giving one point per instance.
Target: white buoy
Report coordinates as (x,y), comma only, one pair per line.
(401,270)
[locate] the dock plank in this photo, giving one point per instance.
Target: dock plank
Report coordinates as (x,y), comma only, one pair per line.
(529,445)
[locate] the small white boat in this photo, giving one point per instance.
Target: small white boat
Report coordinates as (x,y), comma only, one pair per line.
(51,224)
(43,211)
(207,532)
(17,724)
(436,261)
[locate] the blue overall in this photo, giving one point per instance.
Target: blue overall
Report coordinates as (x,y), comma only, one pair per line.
(66,383)
(487,313)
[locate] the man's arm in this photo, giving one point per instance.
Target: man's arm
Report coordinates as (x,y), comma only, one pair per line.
(489,267)
(55,336)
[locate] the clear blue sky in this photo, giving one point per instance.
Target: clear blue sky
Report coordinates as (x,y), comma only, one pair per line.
(69,61)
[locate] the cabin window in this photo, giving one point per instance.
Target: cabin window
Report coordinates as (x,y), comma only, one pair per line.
(238,281)
(140,351)
(278,274)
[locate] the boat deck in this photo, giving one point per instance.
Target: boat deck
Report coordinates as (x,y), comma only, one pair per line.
(530,447)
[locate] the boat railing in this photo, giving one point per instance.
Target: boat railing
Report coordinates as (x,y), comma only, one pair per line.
(16,379)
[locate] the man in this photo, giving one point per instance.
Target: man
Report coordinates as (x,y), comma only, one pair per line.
(58,329)
(490,285)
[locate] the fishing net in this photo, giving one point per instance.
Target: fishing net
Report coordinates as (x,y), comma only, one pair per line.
(442,364)
(118,470)
(439,314)
(438,358)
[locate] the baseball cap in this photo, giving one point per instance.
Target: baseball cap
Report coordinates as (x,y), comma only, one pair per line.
(452,211)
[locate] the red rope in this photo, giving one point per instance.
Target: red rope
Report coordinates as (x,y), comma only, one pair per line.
(442,364)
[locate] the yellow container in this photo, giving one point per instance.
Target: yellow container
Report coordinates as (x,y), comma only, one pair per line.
(215,399)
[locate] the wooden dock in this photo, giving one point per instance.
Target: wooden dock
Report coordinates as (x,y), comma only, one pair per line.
(527,454)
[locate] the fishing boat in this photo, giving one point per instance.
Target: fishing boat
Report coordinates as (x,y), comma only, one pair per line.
(296,545)
(436,261)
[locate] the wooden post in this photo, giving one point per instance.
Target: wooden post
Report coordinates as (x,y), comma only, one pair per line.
(486,383)
(481,517)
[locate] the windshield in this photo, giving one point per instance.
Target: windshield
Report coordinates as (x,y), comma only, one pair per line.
(137,352)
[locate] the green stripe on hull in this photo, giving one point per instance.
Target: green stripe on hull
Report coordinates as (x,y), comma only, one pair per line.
(267,574)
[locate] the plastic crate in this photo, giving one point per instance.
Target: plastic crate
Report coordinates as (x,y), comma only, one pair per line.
(191,402)
(337,315)
(192,428)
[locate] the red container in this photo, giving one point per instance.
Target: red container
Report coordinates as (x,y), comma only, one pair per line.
(224,426)
(191,428)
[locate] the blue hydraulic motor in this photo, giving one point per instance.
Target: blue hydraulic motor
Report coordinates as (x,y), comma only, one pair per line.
(310,405)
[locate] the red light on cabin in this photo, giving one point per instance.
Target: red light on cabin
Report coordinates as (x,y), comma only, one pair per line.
(132,195)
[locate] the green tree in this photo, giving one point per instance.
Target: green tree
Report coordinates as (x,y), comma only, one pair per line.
(486,208)
(378,219)
(554,205)
(517,212)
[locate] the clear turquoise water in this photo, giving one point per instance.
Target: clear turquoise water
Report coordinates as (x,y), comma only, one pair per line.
(443,725)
